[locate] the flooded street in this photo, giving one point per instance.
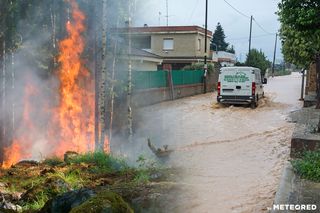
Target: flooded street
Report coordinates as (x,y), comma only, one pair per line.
(232,157)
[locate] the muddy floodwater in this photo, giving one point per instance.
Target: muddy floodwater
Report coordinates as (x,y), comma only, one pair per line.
(232,157)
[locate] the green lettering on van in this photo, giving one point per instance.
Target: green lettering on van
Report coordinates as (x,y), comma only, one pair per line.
(239,77)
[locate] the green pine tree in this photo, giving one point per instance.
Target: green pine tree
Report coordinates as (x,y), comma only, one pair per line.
(218,39)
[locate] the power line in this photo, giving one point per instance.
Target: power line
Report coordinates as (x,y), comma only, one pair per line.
(244,15)
(194,9)
(245,38)
(264,30)
(238,11)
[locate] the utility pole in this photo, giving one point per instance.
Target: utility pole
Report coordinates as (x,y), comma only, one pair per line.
(205,50)
(167,5)
(250,36)
(274,54)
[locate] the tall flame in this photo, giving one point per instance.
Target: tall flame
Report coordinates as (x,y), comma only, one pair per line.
(76,110)
(71,123)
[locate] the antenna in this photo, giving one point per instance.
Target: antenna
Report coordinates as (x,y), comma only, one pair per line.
(167,5)
(159,18)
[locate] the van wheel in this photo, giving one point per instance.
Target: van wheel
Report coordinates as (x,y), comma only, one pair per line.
(253,105)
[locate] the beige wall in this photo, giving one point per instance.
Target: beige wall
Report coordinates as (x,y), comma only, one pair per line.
(144,65)
(185,45)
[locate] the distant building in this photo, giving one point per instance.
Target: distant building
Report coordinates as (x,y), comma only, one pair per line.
(226,59)
(178,46)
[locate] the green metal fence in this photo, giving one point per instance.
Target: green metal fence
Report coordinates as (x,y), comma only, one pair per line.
(185,77)
(158,79)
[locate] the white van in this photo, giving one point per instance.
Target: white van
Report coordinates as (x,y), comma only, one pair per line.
(240,85)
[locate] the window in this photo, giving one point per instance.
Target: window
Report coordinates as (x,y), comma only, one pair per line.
(199,44)
(168,43)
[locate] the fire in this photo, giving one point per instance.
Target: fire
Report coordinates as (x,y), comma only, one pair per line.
(71,123)
(76,111)
(14,153)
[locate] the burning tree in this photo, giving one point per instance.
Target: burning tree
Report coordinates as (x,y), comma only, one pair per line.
(56,112)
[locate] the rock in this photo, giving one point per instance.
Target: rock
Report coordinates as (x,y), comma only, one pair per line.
(104,202)
(69,155)
(67,201)
(26,163)
(10,206)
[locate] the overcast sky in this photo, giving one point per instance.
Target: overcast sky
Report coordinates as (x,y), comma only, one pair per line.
(235,25)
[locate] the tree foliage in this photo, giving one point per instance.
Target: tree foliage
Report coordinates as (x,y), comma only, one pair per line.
(300,30)
(300,34)
(259,60)
(218,39)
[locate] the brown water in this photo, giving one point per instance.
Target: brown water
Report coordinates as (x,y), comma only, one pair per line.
(232,157)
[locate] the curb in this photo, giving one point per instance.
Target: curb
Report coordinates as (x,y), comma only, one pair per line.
(286,186)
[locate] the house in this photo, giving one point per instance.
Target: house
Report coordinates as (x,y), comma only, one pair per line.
(226,59)
(178,46)
(145,61)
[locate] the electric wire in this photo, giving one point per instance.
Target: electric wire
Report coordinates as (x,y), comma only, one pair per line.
(235,9)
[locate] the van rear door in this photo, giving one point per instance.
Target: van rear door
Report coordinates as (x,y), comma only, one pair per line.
(236,82)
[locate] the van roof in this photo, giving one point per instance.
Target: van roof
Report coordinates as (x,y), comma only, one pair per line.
(238,68)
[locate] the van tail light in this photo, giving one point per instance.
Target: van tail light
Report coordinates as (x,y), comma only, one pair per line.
(253,88)
(219,88)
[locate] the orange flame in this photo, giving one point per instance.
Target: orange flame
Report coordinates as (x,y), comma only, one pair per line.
(71,126)
(14,153)
(76,110)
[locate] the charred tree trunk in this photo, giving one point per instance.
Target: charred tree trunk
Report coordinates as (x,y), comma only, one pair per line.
(3,104)
(96,75)
(112,93)
(103,78)
(129,94)
(13,76)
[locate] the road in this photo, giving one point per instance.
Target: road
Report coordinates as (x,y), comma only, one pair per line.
(232,157)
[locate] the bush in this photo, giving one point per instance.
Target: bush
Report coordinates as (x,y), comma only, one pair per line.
(282,72)
(308,166)
(199,66)
(103,162)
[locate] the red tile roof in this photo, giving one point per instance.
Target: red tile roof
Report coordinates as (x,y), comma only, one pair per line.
(170,29)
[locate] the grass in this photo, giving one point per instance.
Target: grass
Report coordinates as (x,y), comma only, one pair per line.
(308,166)
(36,204)
(103,162)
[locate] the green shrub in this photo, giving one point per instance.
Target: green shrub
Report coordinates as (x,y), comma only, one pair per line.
(308,166)
(199,66)
(103,162)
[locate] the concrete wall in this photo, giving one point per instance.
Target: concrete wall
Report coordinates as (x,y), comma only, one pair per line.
(153,96)
(142,65)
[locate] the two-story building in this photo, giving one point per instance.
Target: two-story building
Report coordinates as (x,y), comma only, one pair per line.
(178,46)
